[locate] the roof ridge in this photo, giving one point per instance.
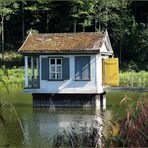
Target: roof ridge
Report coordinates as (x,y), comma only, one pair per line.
(70,33)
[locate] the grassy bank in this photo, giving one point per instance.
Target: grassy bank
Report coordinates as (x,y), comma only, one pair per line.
(134,79)
(15,77)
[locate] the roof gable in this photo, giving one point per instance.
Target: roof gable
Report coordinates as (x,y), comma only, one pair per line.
(63,42)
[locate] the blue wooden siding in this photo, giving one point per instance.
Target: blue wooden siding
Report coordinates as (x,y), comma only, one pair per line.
(82,67)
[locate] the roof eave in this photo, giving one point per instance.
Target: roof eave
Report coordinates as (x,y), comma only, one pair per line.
(59,51)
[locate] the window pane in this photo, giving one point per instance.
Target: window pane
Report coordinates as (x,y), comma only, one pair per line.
(52,75)
(52,61)
(59,76)
(85,71)
(52,69)
(59,61)
(78,68)
(82,68)
(59,68)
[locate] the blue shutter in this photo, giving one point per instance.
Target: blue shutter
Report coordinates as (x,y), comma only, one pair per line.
(82,68)
(65,68)
(45,68)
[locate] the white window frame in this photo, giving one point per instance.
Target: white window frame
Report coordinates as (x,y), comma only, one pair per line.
(56,69)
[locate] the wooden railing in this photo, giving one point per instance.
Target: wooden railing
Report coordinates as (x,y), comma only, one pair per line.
(33,82)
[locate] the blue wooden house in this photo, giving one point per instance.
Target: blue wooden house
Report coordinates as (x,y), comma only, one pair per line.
(69,68)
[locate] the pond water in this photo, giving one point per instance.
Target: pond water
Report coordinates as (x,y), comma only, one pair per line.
(41,124)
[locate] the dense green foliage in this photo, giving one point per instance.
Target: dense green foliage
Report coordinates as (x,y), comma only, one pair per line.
(128,35)
(15,77)
(11,78)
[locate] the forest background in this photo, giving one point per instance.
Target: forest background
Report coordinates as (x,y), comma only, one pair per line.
(128,31)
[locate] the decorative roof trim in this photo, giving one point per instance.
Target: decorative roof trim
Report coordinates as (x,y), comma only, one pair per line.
(30,34)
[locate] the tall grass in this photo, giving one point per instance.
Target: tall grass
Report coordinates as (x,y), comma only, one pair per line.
(134,79)
(132,130)
(134,127)
(11,77)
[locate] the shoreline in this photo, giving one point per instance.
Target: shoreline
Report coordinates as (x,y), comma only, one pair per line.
(120,88)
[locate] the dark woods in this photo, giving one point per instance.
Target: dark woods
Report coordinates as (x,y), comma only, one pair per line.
(125,21)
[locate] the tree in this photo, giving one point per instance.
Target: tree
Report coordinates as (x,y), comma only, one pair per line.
(82,13)
(7,7)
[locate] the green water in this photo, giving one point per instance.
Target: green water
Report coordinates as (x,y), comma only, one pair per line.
(40,125)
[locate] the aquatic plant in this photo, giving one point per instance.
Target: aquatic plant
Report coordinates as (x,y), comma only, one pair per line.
(80,134)
(2,120)
(134,126)
(132,130)
(5,72)
(16,115)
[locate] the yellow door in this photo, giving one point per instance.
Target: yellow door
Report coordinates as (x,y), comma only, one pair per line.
(110,71)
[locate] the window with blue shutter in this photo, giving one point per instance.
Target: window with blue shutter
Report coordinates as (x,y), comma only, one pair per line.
(55,69)
(82,68)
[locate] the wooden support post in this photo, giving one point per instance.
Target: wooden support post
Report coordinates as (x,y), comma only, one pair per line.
(100,101)
(26,71)
(104,101)
(97,103)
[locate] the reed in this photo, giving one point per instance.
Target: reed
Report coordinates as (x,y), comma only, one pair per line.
(132,130)
(4,84)
(135,123)
(80,134)
(134,79)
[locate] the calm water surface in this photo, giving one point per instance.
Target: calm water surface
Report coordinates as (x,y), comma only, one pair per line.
(40,125)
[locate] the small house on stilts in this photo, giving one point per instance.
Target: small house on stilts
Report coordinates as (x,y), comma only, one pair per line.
(69,69)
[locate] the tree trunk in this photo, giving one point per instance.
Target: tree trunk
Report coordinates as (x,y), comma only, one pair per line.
(47,21)
(99,19)
(83,28)
(96,21)
(106,17)
(23,32)
(121,40)
(99,26)
(74,26)
(2,33)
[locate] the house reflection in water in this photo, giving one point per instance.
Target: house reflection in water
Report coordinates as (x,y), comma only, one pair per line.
(46,124)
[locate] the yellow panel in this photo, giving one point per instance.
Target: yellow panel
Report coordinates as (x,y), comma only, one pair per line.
(110,71)
(103,71)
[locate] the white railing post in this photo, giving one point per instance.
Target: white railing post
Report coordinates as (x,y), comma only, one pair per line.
(32,66)
(37,66)
(26,71)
